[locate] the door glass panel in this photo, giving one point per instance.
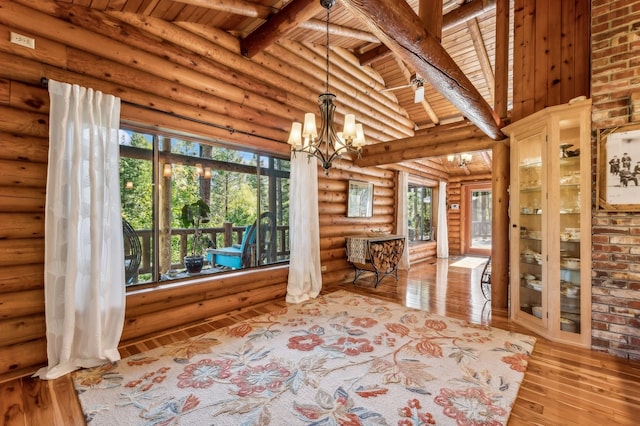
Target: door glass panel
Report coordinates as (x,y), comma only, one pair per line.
(530,213)
(480,219)
(570,201)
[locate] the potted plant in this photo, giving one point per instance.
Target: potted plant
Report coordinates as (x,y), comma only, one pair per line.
(194,215)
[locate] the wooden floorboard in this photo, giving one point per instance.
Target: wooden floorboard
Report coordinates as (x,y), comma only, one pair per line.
(563,385)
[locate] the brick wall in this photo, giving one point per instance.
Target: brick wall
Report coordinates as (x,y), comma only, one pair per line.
(615,90)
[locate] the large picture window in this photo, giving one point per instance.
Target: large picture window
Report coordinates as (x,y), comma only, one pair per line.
(244,224)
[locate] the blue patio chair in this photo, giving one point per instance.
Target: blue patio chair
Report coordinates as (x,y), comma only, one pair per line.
(243,255)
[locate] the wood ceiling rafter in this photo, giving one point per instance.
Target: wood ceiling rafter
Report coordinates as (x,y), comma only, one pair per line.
(400,29)
(254,10)
(458,16)
(237,7)
(338,30)
(486,158)
(289,18)
(483,56)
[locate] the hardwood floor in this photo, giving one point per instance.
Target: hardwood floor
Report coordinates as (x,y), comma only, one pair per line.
(563,385)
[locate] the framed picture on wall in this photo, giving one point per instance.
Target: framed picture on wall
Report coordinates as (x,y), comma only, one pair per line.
(618,178)
(360,201)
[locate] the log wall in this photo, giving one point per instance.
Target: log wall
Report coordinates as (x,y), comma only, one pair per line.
(168,76)
(420,252)
(454,219)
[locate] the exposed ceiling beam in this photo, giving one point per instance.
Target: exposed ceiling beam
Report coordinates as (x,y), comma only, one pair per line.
(430,13)
(289,17)
(502,58)
(374,54)
(457,16)
(425,150)
(254,10)
(466,11)
(440,129)
(483,56)
(437,141)
(401,30)
(237,7)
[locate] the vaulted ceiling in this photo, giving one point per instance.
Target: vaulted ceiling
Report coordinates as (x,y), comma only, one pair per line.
(468,38)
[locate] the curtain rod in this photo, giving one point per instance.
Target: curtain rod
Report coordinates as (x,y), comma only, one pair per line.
(44,82)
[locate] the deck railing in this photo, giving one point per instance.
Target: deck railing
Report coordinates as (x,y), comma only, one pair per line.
(481,229)
(223,236)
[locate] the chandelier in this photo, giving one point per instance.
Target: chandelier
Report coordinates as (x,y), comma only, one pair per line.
(461,160)
(326,144)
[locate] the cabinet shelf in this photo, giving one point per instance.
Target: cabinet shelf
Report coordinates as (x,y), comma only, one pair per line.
(531,189)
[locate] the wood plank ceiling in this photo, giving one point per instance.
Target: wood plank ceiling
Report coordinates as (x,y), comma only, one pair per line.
(468,37)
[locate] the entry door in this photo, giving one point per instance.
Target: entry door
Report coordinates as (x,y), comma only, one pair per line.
(478,219)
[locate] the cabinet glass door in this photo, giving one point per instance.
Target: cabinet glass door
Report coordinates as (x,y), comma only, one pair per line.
(531,204)
(569,235)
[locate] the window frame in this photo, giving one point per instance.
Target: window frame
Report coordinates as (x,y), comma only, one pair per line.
(418,181)
(158,158)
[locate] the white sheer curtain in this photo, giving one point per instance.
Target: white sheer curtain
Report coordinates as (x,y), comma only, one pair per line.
(84,266)
(442,239)
(402,224)
(305,278)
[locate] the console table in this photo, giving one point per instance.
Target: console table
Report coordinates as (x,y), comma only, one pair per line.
(378,253)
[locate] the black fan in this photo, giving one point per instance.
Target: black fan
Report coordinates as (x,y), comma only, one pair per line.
(132,252)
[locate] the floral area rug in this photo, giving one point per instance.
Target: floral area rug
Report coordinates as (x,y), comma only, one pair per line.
(342,359)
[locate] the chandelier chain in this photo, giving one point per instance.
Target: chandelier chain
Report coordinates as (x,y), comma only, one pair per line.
(327,45)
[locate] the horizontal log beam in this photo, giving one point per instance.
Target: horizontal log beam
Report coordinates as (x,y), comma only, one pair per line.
(427,149)
(400,29)
(431,136)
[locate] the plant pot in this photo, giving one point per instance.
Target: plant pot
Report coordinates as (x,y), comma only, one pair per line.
(193,264)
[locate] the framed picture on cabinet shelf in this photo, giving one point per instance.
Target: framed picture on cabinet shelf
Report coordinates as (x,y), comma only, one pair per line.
(618,178)
(360,199)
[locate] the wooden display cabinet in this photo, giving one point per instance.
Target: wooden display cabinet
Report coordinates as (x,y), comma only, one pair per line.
(550,214)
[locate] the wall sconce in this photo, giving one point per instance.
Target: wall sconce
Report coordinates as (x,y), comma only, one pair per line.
(129,185)
(166,171)
(199,169)
(460,160)
(207,172)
